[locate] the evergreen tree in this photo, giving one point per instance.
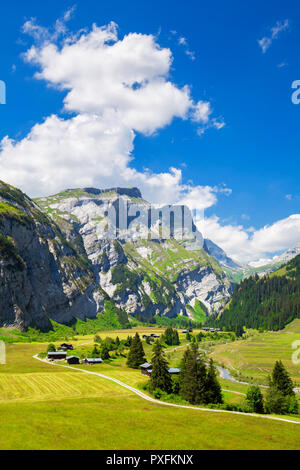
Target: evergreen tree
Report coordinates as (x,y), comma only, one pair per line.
(255,399)
(192,379)
(117,341)
(105,351)
(281,398)
(51,348)
(136,355)
(95,352)
(170,337)
(160,377)
(188,377)
(213,392)
(281,381)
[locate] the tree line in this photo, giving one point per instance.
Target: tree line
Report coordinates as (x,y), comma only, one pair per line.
(266,303)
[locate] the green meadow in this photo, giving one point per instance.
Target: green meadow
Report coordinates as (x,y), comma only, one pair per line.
(43,406)
(252,359)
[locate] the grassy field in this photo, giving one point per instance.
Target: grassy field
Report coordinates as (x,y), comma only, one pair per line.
(256,356)
(47,407)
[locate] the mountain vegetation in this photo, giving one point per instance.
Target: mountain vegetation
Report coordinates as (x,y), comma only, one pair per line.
(266,303)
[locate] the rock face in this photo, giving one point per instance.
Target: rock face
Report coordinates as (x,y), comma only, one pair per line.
(216,252)
(41,275)
(61,257)
(144,275)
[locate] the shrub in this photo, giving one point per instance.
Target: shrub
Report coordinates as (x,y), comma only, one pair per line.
(51,348)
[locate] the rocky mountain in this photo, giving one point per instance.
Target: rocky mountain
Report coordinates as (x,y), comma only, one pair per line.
(62,256)
(216,252)
(286,256)
(42,276)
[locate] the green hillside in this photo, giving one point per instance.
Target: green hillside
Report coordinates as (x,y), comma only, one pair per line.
(268,303)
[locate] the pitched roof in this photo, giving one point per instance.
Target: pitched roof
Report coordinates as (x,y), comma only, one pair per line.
(173,370)
(56,353)
(146,365)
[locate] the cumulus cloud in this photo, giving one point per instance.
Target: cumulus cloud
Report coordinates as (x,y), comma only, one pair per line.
(266,41)
(113,88)
(250,245)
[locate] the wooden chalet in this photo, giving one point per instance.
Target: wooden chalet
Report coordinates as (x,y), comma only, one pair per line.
(146,369)
(56,355)
(66,347)
(73,360)
(92,360)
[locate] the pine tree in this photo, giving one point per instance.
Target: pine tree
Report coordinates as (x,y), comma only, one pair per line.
(281,381)
(188,377)
(281,398)
(136,355)
(213,392)
(192,379)
(160,377)
(105,352)
(171,337)
(255,399)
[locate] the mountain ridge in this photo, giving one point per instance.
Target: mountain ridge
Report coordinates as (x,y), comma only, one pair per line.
(56,263)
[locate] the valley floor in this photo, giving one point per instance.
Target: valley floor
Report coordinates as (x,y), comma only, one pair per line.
(253,359)
(48,407)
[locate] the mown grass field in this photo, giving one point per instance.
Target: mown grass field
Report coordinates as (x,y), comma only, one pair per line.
(256,356)
(43,406)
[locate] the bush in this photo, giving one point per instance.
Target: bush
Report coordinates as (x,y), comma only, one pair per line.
(51,348)
(157,393)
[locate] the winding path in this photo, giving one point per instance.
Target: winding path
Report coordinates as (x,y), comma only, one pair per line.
(158,402)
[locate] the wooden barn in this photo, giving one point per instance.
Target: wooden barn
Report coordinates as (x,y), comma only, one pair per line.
(92,360)
(146,369)
(56,355)
(73,360)
(66,347)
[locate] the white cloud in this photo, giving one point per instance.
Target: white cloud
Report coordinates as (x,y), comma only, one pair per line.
(266,41)
(248,245)
(113,88)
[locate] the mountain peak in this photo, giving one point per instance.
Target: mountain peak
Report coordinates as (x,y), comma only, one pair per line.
(131,192)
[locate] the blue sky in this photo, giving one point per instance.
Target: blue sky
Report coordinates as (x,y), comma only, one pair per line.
(216,52)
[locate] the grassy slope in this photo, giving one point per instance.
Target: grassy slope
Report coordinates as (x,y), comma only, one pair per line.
(63,409)
(255,356)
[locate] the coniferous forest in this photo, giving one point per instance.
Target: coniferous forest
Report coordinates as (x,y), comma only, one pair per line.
(267,303)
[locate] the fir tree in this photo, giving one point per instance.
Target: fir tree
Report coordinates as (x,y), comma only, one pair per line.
(171,337)
(160,377)
(213,392)
(188,377)
(281,381)
(136,355)
(255,399)
(105,352)
(281,398)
